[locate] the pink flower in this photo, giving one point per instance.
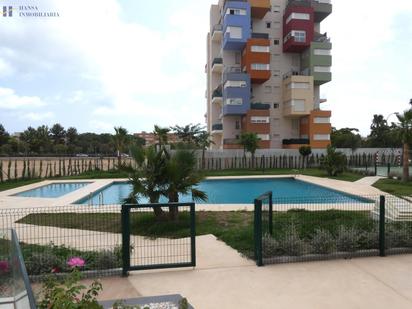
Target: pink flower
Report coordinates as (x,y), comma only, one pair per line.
(55,270)
(4,266)
(76,262)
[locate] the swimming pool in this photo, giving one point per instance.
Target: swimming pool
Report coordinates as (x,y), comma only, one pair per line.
(53,190)
(236,191)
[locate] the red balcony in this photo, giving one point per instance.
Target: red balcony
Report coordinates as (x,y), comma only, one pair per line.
(298,28)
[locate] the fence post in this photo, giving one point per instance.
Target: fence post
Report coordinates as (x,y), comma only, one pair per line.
(258,232)
(376,169)
(382,220)
(125,221)
(389,169)
(271,213)
(193,233)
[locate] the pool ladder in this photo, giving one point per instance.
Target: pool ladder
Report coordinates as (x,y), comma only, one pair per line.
(100,196)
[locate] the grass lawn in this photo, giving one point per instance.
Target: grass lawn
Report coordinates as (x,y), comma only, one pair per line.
(347,176)
(234,228)
(15,184)
(395,187)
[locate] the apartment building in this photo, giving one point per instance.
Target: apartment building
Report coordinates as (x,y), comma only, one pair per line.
(266,61)
(151,139)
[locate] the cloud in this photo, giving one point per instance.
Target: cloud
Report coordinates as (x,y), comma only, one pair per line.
(38,116)
(101,126)
(9,100)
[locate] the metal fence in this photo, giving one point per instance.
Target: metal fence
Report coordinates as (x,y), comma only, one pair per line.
(321,228)
(175,243)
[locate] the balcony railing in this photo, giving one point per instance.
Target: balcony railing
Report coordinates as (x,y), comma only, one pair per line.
(296,73)
(217,28)
(260,106)
(217,61)
(217,127)
(257,35)
(231,141)
(217,93)
(296,141)
(322,38)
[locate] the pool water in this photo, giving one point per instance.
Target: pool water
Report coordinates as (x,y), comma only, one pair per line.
(236,191)
(53,190)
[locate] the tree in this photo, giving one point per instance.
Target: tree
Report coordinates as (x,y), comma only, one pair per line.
(188,134)
(148,178)
(4,136)
(250,143)
(379,132)
(334,162)
(405,132)
(58,134)
(162,135)
(71,139)
(204,142)
(120,140)
(305,152)
(182,178)
(346,138)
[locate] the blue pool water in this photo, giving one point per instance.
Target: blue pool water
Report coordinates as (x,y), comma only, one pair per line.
(237,191)
(53,190)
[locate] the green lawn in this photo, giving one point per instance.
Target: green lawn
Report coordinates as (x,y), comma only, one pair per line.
(234,228)
(347,176)
(15,184)
(395,187)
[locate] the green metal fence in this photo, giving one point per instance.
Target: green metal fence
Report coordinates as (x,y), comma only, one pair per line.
(296,230)
(176,245)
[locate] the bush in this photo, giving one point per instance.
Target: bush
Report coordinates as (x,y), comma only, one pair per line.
(291,243)
(398,236)
(44,263)
(323,242)
(347,239)
(270,247)
(106,259)
(334,162)
(368,240)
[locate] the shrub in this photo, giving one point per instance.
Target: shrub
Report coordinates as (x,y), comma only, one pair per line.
(106,259)
(398,236)
(43,263)
(334,162)
(368,240)
(291,243)
(270,247)
(347,239)
(323,242)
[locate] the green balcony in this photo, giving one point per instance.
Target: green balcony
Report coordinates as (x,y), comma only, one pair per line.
(317,60)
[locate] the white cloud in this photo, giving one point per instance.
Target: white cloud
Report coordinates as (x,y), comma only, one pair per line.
(37,116)
(101,126)
(9,100)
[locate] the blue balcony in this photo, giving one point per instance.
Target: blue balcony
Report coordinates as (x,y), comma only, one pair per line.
(236,25)
(236,100)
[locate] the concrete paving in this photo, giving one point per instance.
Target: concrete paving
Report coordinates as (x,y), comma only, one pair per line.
(369,180)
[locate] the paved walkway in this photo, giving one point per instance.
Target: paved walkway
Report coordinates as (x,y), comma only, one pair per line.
(369,180)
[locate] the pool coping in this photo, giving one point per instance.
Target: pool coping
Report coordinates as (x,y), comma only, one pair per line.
(9,201)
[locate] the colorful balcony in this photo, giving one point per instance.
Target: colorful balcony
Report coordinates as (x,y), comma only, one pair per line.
(236,92)
(298,28)
(236,25)
(317,128)
(322,8)
(317,61)
(256,60)
(260,8)
(298,95)
(258,121)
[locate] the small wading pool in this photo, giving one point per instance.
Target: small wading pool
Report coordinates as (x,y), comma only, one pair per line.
(53,190)
(236,191)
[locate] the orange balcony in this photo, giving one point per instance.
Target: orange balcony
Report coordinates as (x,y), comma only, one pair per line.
(260,8)
(317,128)
(256,60)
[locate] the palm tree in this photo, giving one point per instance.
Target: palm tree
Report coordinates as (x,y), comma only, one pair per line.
(189,133)
(250,143)
(120,140)
(162,135)
(204,142)
(148,177)
(405,131)
(182,178)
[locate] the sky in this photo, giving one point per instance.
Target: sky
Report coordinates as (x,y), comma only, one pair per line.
(134,63)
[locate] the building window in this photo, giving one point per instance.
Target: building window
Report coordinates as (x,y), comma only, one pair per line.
(296,105)
(300,16)
(276,73)
(268,89)
(236,84)
(237,125)
(264,137)
(276,42)
(298,35)
(321,137)
(320,69)
(322,52)
(268,25)
(234,101)
(230,11)
(275,105)
(260,49)
(257,119)
(237,58)
(297,85)
(260,67)
(234,32)
(276,9)
(321,120)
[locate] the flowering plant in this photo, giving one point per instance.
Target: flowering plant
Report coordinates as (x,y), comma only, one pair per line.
(5,276)
(4,267)
(76,262)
